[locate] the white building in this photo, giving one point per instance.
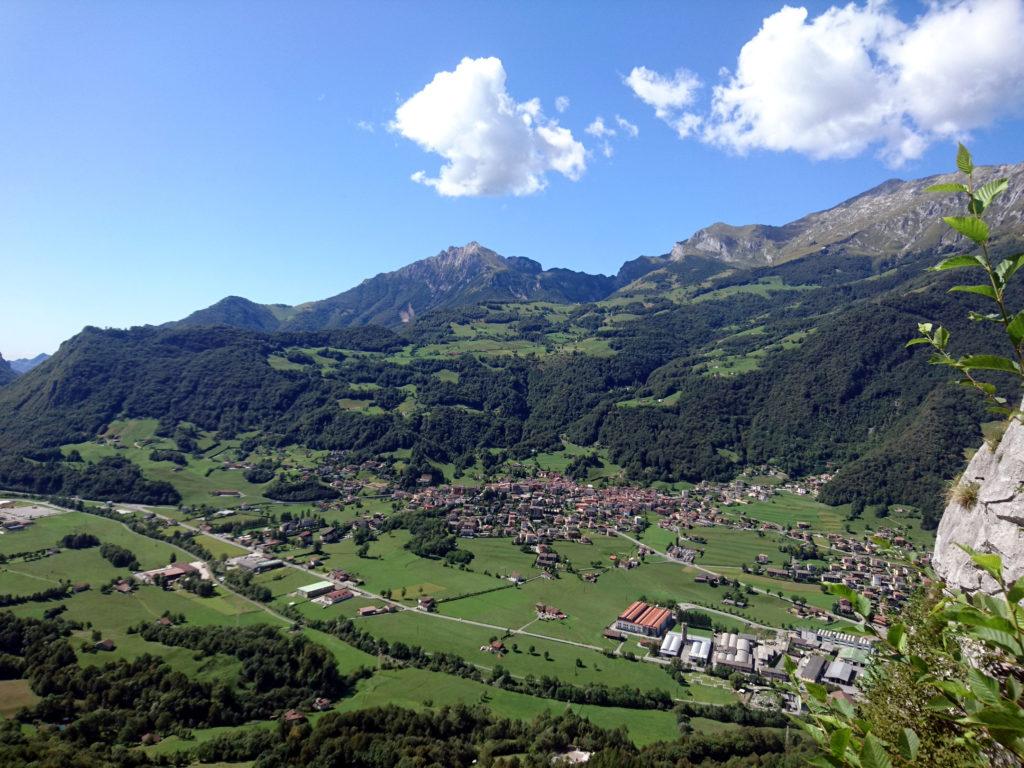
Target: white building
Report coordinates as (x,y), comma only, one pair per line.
(316,589)
(671,644)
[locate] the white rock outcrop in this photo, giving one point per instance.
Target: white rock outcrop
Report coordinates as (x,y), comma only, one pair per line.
(995,523)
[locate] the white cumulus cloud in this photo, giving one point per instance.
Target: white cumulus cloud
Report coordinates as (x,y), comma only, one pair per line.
(562,103)
(599,129)
(491,144)
(858,76)
(670,95)
(627,126)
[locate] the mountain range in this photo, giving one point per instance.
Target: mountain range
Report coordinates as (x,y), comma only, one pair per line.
(741,345)
(894,219)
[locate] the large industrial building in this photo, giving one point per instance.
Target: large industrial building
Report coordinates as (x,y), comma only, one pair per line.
(643,619)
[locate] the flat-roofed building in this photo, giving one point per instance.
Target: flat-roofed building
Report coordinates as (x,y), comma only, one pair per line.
(839,673)
(316,589)
(812,669)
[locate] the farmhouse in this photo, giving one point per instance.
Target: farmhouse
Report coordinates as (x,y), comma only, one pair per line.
(427,604)
(332,598)
(548,612)
(169,574)
(643,619)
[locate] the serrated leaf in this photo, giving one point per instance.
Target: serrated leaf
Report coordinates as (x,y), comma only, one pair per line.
(989,562)
(987,192)
(1015,329)
(1013,263)
(964,162)
(997,637)
(915,342)
(985,688)
(1002,718)
(969,226)
(955,262)
(954,187)
(839,741)
(873,754)
(938,704)
(989,363)
(909,744)
(981,290)
(818,692)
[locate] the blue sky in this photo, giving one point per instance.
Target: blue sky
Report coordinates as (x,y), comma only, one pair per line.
(155,157)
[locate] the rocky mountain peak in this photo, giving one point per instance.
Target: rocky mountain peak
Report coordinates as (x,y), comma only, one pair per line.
(892,219)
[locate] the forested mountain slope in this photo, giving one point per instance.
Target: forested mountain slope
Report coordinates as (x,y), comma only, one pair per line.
(7,374)
(688,373)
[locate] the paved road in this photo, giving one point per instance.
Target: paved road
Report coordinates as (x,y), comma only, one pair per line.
(400,606)
(757,590)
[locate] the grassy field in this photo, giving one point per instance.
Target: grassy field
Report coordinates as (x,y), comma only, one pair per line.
(48,531)
(15,694)
(135,439)
(413,687)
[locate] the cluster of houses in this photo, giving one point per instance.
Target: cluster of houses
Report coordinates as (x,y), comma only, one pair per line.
(886,584)
(542,510)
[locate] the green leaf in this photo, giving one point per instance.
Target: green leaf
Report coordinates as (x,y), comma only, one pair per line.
(863,606)
(987,192)
(872,753)
(938,704)
(818,692)
(909,743)
(1007,641)
(989,562)
(981,290)
(969,226)
(964,162)
(1016,329)
(839,741)
(946,188)
(985,688)
(954,262)
(1016,591)
(919,340)
(994,317)
(897,637)
(1008,267)
(990,363)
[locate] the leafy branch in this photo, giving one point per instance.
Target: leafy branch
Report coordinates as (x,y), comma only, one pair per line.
(974,227)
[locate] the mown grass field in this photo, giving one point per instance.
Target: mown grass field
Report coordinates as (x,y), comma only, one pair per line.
(15,694)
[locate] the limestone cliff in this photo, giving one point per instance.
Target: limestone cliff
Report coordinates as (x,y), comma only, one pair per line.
(991,522)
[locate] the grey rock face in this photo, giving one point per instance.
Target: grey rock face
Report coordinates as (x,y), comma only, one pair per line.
(994,524)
